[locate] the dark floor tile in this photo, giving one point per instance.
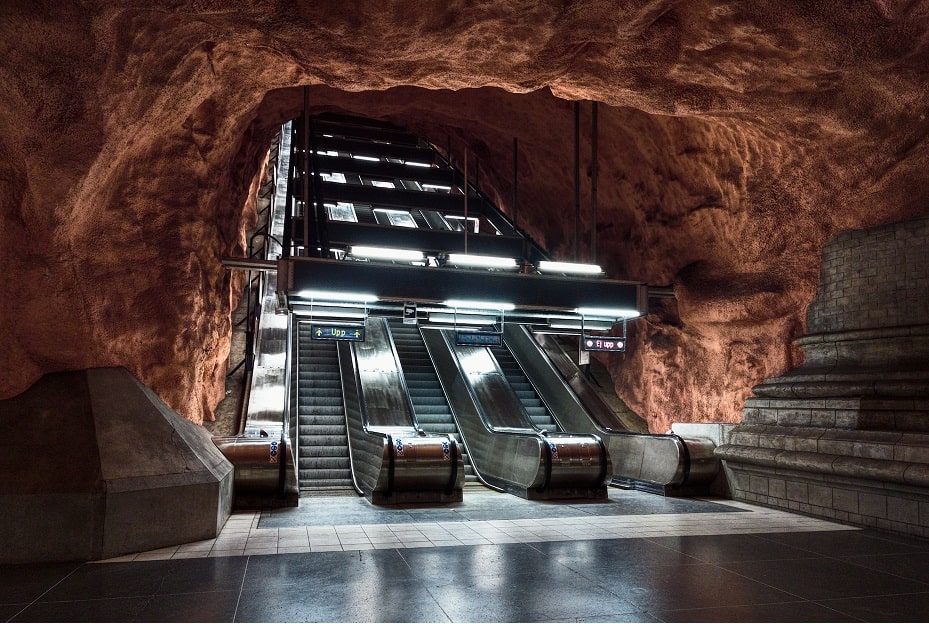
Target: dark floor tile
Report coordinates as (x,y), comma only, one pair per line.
(100,610)
(26,582)
(639,503)
(896,608)
(847,543)
(7,611)
(592,558)
(111,580)
(637,616)
(465,561)
(335,567)
(525,595)
(914,566)
(654,588)
(213,606)
(720,548)
(780,612)
(384,598)
(824,578)
(207,574)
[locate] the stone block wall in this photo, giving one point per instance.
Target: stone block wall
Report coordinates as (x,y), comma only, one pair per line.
(874,278)
(846,436)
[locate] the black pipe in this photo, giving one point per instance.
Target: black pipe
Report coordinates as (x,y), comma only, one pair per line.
(515,183)
(594,171)
(306,173)
(577,177)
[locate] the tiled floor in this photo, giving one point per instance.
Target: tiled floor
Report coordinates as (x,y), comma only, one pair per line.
(636,557)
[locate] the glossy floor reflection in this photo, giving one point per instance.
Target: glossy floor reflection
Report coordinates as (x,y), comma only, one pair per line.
(654,560)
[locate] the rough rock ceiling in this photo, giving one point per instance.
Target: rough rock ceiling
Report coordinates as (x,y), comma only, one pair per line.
(735,138)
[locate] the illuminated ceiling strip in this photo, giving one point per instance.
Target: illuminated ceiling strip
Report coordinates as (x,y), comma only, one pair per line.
(461,319)
(574,268)
(337,297)
(626,313)
(462,304)
(387,253)
(482,262)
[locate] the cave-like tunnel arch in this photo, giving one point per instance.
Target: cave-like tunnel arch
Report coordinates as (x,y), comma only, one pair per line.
(734,141)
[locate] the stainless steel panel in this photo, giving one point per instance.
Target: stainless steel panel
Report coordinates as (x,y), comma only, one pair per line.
(392,459)
(662,460)
(263,465)
(505,450)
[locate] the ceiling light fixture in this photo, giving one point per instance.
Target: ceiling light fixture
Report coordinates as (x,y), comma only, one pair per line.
(574,268)
(387,253)
(462,304)
(482,262)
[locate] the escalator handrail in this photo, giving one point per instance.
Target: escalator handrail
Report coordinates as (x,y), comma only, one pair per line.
(592,397)
(357,389)
(506,431)
(554,351)
(402,377)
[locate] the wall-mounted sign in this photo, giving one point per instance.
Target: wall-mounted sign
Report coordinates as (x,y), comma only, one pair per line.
(478,339)
(603,343)
(355,333)
(409,313)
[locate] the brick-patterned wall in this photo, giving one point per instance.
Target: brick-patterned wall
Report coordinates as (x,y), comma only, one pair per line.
(873,278)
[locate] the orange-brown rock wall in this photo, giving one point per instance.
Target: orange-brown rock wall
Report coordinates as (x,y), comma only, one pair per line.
(735,137)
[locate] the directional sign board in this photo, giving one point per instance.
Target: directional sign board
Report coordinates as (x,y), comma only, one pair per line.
(355,333)
(478,339)
(603,343)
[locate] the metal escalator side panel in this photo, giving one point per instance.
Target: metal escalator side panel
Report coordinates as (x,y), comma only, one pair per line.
(581,451)
(568,407)
(659,459)
(385,398)
(392,459)
(506,460)
(369,454)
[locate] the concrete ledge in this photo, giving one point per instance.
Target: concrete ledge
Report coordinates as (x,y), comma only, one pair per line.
(828,464)
(94,465)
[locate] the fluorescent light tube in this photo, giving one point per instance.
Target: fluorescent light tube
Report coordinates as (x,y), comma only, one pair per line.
(482,262)
(549,266)
(337,297)
(479,305)
(387,253)
(608,312)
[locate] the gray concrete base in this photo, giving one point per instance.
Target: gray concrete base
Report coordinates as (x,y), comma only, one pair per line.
(94,465)
(844,437)
(888,506)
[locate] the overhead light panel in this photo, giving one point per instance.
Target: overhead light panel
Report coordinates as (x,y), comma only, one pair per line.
(462,319)
(625,313)
(462,304)
(387,253)
(590,325)
(482,262)
(337,297)
(572,268)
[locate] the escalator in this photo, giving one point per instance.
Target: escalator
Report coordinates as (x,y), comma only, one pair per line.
(661,463)
(505,448)
(356,426)
(429,403)
(324,465)
(535,407)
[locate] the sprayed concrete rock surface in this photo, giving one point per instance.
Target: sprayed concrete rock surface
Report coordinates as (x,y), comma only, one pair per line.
(734,139)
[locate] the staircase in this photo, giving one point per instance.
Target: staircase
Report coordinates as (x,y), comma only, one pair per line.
(531,402)
(429,402)
(323,443)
